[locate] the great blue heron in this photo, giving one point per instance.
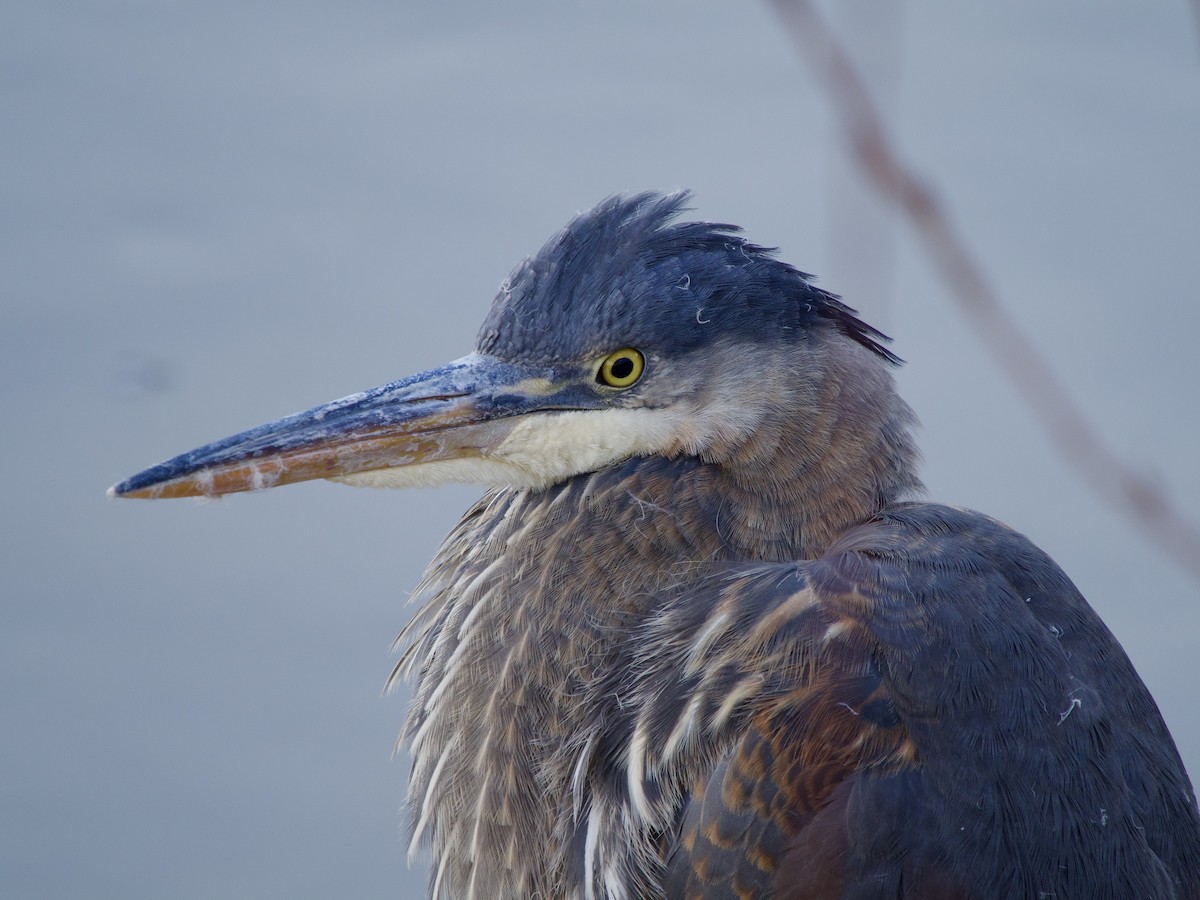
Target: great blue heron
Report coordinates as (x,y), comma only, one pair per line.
(699,639)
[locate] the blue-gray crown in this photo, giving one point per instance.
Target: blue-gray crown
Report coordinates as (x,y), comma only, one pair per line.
(628,274)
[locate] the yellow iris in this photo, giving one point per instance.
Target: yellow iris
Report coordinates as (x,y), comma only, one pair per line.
(622,368)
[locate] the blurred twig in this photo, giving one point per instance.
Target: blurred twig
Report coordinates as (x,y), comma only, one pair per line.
(1195,5)
(1127,489)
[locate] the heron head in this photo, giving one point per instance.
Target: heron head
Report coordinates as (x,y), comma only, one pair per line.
(630,333)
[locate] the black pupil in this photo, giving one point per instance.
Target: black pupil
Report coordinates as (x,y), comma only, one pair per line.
(622,368)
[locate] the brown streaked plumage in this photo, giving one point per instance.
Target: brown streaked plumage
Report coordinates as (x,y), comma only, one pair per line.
(699,639)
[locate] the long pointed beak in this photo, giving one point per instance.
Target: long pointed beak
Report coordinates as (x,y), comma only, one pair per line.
(464,409)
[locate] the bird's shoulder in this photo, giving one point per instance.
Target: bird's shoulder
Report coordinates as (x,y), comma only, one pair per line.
(926,702)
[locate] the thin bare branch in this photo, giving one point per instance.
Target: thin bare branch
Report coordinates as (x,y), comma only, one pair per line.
(1195,5)
(1041,389)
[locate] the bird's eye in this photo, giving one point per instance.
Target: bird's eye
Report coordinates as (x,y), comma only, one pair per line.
(622,368)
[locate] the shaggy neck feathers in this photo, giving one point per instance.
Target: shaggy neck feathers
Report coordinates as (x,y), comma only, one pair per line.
(509,649)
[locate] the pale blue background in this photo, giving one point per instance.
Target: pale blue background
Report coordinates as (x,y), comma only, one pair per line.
(215,213)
